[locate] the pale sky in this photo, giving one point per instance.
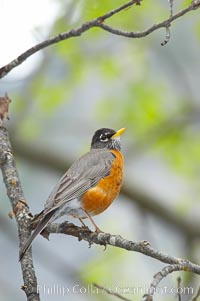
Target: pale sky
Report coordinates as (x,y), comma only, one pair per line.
(19,20)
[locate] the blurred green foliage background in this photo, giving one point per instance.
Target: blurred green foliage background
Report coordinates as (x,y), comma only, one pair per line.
(101,80)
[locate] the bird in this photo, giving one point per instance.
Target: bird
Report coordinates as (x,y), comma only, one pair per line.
(88,187)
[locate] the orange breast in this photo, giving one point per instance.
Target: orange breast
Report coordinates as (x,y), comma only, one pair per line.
(98,198)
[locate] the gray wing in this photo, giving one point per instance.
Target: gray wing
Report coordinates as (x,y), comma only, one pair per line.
(81,176)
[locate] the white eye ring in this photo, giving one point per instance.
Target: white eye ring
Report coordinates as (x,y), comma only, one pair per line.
(103,138)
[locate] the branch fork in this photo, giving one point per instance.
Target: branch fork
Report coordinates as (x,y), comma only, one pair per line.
(99,22)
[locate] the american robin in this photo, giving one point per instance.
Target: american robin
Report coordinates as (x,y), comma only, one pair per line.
(89,186)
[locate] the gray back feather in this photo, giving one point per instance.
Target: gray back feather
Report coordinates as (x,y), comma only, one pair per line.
(81,176)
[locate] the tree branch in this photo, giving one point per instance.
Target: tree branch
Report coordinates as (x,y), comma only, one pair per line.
(97,22)
(118,241)
(164,24)
(21,211)
(143,247)
(63,36)
(158,277)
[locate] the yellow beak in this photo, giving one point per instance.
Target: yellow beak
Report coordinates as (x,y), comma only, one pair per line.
(118,133)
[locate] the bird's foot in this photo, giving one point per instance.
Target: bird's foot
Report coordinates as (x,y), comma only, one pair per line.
(98,230)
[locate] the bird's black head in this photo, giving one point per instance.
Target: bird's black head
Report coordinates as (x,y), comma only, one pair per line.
(107,138)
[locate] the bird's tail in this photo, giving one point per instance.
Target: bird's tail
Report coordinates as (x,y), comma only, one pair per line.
(41,225)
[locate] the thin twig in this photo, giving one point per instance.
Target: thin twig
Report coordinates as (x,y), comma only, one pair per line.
(168,33)
(110,292)
(197,295)
(171,3)
(158,277)
(167,36)
(178,288)
(97,22)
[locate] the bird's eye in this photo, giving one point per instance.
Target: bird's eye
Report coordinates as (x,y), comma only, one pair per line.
(103,138)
